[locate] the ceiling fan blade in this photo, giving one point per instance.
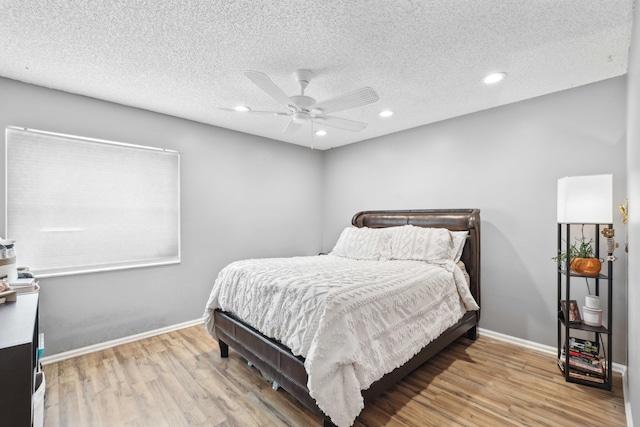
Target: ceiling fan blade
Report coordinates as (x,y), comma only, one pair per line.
(271,113)
(336,122)
(357,98)
(291,126)
(263,82)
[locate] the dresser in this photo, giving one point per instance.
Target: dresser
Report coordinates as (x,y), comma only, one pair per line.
(18,359)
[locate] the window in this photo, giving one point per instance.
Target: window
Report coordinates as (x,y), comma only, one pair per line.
(77,205)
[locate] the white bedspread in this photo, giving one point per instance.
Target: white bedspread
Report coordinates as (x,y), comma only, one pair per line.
(353,321)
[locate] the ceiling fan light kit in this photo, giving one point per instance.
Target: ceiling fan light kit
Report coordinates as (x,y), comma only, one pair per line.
(303,109)
(300,117)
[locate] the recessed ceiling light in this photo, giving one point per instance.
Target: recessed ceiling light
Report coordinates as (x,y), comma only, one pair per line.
(321,132)
(494,78)
(241,108)
(386,113)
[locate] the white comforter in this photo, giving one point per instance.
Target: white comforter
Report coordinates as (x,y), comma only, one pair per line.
(353,321)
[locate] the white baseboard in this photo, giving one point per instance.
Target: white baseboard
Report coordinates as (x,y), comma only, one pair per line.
(622,369)
(617,367)
(627,402)
(131,338)
(518,341)
(108,344)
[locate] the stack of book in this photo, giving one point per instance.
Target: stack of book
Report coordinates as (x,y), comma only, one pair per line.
(584,360)
(25,285)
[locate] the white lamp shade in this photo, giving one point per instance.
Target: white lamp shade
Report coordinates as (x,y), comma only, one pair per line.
(585,199)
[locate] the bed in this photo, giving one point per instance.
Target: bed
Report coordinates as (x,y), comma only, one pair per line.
(288,371)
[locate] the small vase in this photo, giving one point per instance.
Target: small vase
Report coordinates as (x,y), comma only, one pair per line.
(586,266)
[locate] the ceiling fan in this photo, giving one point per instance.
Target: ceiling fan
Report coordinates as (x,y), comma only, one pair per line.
(303,109)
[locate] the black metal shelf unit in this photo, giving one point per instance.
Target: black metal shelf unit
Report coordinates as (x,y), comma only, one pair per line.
(567,329)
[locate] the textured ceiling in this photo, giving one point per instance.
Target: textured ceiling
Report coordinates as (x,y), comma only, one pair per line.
(425,58)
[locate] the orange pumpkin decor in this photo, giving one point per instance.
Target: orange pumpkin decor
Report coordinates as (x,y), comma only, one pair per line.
(586,266)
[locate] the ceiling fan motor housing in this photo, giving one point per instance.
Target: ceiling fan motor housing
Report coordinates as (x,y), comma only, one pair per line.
(302,101)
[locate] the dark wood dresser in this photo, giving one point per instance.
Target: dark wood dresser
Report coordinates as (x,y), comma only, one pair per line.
(18,359)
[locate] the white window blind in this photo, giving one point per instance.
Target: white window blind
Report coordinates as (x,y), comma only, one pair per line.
(77,205)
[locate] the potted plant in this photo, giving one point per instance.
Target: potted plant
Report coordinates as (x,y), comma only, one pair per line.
(582,258)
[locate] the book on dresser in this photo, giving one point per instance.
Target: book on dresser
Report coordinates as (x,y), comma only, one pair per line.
(25,285)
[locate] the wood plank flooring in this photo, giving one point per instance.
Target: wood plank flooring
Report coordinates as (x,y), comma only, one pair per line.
(178,379)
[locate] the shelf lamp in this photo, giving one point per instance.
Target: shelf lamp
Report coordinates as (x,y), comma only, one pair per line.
(587,200)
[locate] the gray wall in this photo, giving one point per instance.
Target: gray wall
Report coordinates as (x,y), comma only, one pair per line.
(633,189)
(241,196)
(505,161)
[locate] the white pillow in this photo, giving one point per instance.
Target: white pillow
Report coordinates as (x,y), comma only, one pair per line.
(459,239)
(363,244)
(422,244)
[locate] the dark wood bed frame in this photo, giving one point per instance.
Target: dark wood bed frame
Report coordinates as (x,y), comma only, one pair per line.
(276,360)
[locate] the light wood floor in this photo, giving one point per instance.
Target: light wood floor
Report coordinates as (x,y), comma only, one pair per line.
(178,379)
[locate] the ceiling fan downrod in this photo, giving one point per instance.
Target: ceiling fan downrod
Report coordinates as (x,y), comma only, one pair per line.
(303,77)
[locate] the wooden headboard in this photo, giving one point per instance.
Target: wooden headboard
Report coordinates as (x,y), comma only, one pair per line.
(453,219)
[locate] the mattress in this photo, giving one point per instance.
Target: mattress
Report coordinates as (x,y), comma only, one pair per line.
(352,320)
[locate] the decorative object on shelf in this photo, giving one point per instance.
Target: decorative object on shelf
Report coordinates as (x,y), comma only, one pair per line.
(609,233)
(587,266)
(582,258)
(8,259)
(574,312)
(6,248)
(592,301)
(592,316)
(624,210)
